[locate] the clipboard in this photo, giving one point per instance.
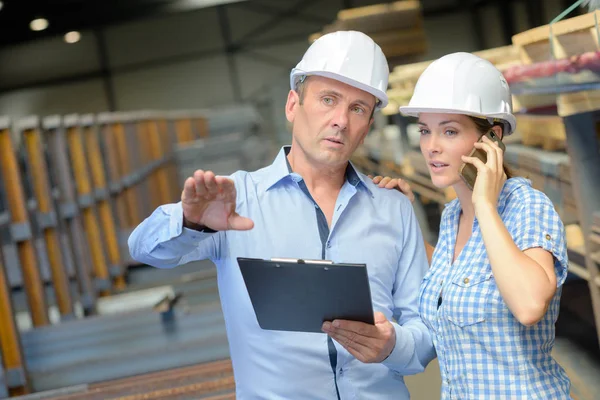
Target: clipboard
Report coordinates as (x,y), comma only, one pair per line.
(298,295)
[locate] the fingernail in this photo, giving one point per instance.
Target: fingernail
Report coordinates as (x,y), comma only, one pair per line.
(326,326)
(336,324)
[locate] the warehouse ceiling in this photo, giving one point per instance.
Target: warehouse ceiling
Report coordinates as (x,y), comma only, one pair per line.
(64,16)
(19,18)
(250,28)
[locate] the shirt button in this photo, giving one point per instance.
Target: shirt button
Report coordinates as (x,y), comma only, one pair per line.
(316,206)
(328,244)
(548,237)
(341,372)
(466,281)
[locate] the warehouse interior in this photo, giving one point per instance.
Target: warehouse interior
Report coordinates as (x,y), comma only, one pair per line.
(107,106)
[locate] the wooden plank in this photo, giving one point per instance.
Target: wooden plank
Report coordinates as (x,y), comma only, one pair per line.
(202,129)
(157,148)
(211,368)
(154,185)
(32,140)
(168,135)
(125,168)
(168,140)
(111,156)
(578,102)
(105,210)
(94,234)
(184,131)
(11,176)
(525,103)
(547,131)
(66,200)
(378,9)
(573,36)
(401,43)
(145,188)
(398,15)
(10,343)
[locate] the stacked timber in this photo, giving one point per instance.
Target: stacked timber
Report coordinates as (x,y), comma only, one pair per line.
(396,27)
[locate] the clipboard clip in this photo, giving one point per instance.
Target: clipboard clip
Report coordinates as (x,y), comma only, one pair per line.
(301,261)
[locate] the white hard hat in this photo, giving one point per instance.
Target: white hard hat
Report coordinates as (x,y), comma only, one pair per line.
(462,83)
(350,57)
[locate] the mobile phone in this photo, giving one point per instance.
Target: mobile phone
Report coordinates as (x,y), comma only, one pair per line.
(468,172)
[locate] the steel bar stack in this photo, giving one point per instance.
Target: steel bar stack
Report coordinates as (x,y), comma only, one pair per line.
(72,189)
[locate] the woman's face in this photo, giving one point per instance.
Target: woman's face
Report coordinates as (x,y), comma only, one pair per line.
(444,139)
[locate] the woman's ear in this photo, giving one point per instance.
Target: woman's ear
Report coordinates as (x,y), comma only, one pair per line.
(498,131)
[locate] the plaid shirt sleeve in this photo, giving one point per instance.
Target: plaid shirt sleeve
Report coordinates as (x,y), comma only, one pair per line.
(540,226)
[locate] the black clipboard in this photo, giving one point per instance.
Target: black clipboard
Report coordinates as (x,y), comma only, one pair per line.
(299,295)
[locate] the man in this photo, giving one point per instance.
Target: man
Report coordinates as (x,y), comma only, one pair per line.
(310,203)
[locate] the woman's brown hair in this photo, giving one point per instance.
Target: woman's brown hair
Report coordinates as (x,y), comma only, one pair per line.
(483,126)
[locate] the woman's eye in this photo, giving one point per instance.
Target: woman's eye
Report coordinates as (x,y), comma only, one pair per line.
(450,132)
(423,131)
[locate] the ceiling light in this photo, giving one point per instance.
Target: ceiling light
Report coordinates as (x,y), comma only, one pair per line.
(72,37)
(38,24)
(1,4)
(187,5)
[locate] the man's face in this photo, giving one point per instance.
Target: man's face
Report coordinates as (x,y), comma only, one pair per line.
(332,120)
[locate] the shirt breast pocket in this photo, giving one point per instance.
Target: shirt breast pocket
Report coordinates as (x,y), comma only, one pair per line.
(467,299)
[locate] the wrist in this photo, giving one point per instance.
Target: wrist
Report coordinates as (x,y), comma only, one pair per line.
(484,209)
(194,226)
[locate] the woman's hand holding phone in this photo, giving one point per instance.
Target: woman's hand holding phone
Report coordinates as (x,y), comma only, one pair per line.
(490,175)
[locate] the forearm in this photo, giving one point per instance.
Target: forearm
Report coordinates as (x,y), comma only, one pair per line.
(413,350)
(522,282)
(162,241)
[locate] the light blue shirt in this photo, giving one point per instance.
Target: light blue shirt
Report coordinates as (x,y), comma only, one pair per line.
(370,225)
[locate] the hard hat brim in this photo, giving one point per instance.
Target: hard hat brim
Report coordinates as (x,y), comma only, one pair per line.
(415,111)
(379,95)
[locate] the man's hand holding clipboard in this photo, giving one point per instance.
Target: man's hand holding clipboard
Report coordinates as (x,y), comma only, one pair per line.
(368,343)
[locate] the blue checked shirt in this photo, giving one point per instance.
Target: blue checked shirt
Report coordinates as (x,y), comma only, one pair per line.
(483,350)
(370,225)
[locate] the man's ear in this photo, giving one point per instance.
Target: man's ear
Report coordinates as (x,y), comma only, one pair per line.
(293,100)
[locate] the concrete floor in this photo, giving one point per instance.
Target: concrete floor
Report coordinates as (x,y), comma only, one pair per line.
(425,386)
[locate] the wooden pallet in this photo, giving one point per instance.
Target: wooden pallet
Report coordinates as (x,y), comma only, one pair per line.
(570,37)
(396,27)
(546,131)
(212,380)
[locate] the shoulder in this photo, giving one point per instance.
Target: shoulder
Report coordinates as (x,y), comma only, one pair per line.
(383,196)
(520,194)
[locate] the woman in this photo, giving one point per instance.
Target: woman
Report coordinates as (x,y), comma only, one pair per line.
(491,296)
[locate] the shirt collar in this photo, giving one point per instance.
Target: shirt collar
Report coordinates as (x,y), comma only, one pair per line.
(281,170)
